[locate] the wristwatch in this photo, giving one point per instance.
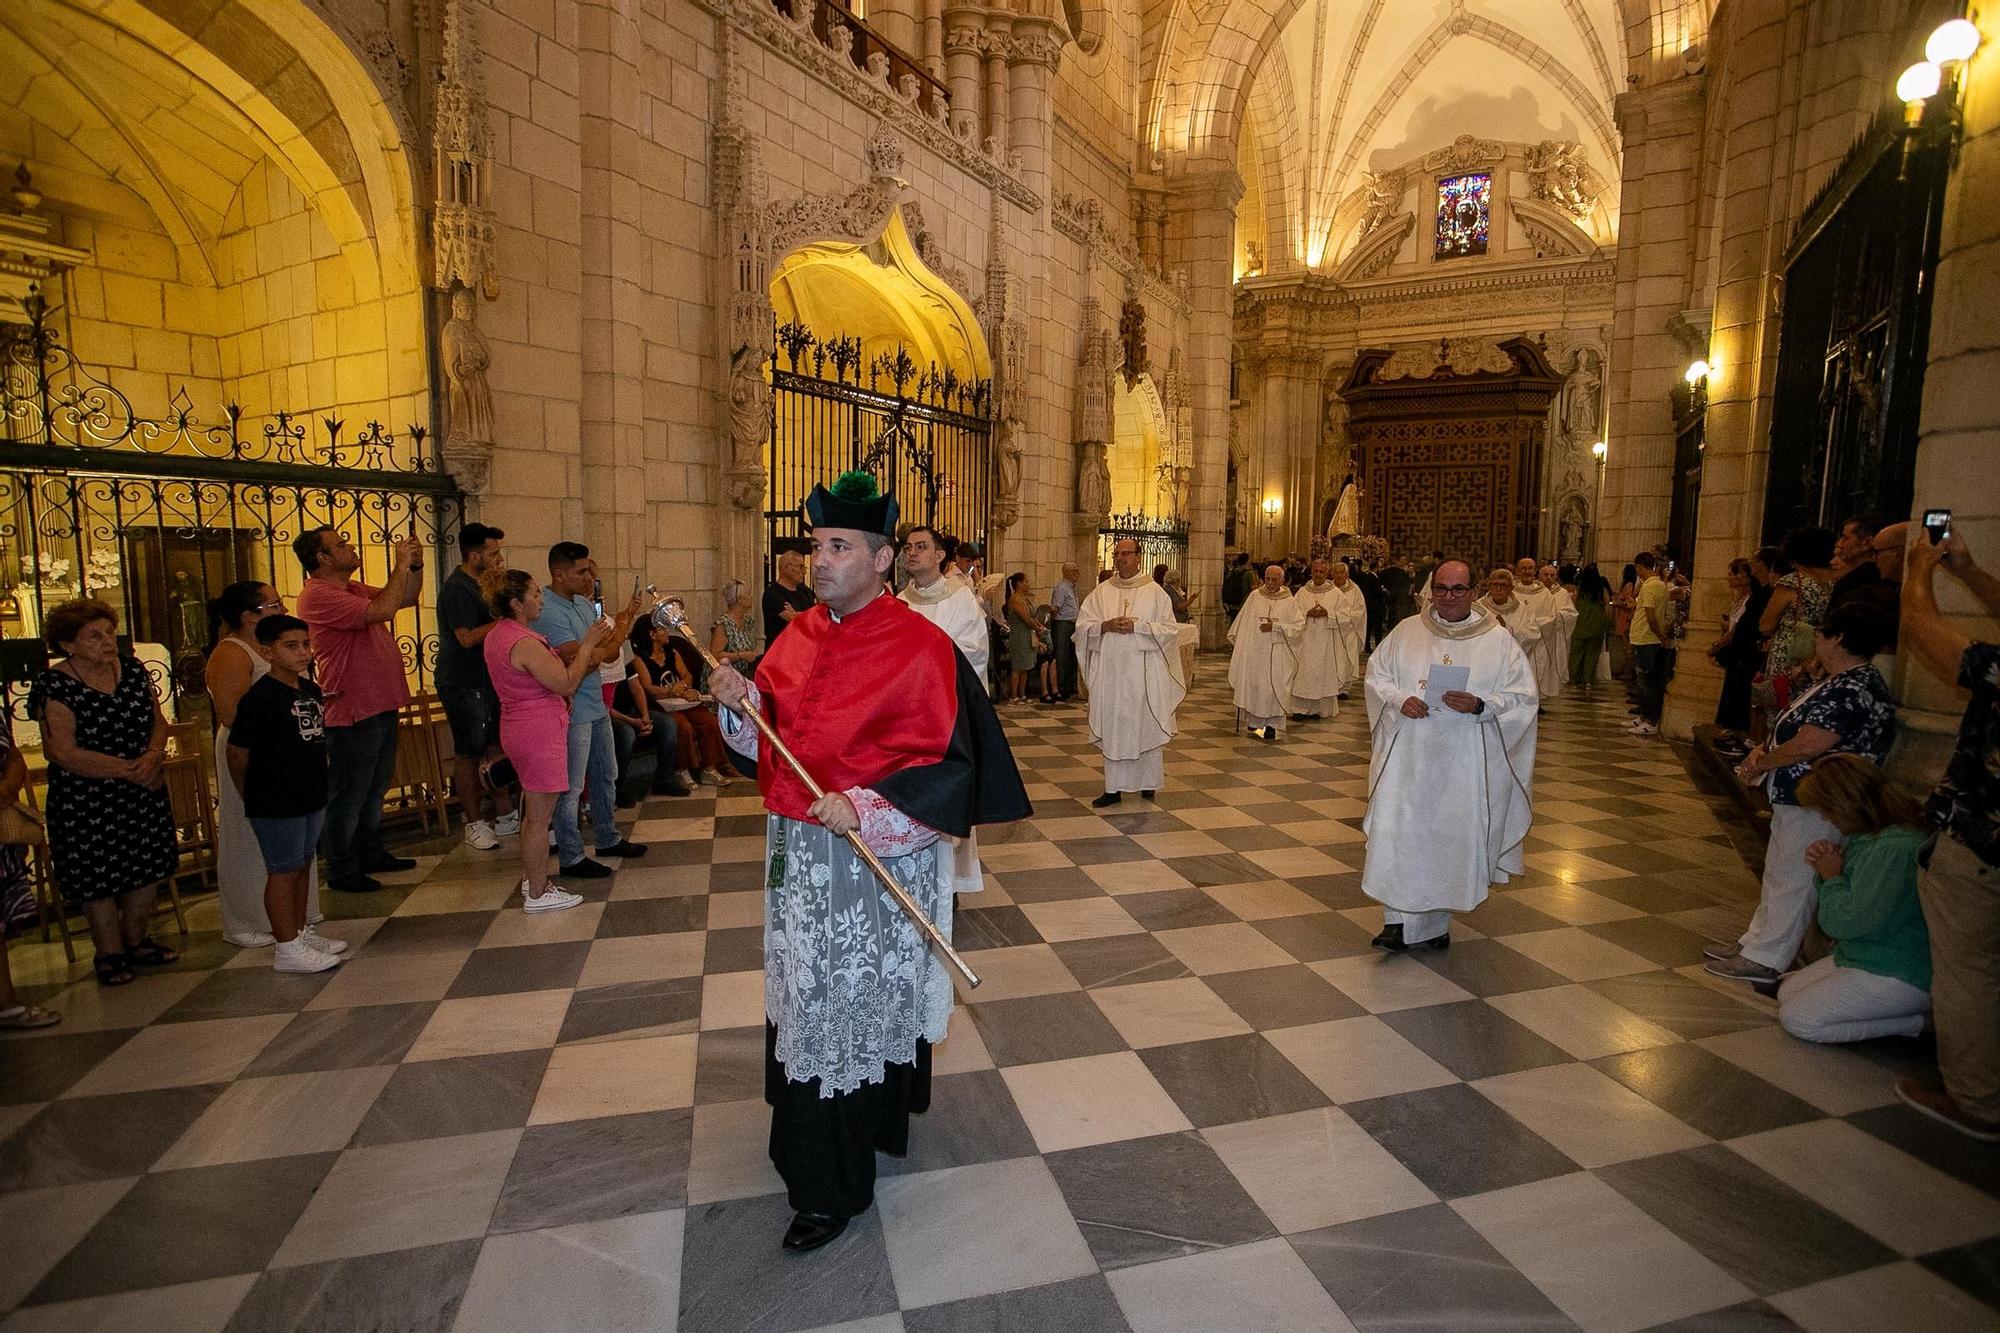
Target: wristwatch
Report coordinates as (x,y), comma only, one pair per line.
(1478,707)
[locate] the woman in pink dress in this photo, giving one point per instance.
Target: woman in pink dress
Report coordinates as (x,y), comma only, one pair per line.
(534,687)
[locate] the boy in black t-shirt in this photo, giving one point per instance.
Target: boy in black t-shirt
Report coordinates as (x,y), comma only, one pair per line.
(277,759)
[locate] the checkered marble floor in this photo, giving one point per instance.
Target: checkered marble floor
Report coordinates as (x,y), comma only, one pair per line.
(1188,1096)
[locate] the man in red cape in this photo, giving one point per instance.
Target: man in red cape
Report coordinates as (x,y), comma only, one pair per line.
(889,718)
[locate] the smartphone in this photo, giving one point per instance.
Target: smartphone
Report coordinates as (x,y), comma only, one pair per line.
(1937,522)
(597,597)
(1670,566)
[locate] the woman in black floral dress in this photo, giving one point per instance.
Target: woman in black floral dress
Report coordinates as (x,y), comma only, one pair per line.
(111,825)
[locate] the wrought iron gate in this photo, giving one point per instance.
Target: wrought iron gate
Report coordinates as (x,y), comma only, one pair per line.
(156,516)
(922,430)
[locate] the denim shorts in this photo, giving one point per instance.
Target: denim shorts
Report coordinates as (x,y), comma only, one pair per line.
(288,844)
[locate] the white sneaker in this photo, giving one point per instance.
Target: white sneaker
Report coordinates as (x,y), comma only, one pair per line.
(326,944)
(687,778)
(298,956)
(1645,729)
(480,834)
(715,777)
(507,825)
(553,899)
(256,939)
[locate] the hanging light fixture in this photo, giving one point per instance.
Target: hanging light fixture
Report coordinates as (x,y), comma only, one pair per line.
(1918,84)
(1697,371)
(1952,42)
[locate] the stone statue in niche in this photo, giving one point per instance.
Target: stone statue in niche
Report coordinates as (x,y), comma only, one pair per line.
(468,402)
(1093,481)
(749,426)
(1583,402)
(1572,520)
(1007,452)
(1132,335)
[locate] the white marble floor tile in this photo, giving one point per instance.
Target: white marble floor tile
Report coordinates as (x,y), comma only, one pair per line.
(42,1226)
(1836,1081)
(1577,954)
(1582,1022)
(730,1157)
(1353,1059)
(171,1055)
(401,1196)
(1092,1099)
(1258,1288)
(1315,1169)
(1592,1118)
(973,1230)
(1900,1296)
(1382,984)
(1162,1013)
(620,1273)
(279,1116)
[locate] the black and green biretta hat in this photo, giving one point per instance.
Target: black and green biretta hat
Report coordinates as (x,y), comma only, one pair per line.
(853,501)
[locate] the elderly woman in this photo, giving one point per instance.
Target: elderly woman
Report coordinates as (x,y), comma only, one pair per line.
(111,825)
(235,663)
(1848,711)
(534,687)
(733,640)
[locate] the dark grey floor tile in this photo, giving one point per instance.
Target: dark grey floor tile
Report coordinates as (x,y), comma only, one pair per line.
(1217,868)
(1644,891)
(1155,1198)
(404,1289)
(521,967)
(1749,1317)
(376,1034)
(736,826)
(1103,851)
(1255,837)
(1761,1231)
(1424,1269)
(96,1138)
(1056,884)
(734,876)
(245,992)
(729,1065)
(1488,967)
(359,906)
(971,1119)
(739,949)
(435,1099)
(633,1009)
(1268,998)
(1501,914)
(1184,798)
(1337,891)
(1227,1079)
(1975,1268)
(1045,1027)
(1457,1142)
(1683,1007)
(35,1069)
(1931,1143)
(1473,1039)
(1660,942)
(181,1226)
(1315,936)
(428,934)
(734,1276)
(1081,1305)
(588,1170)
(992,928)
(653,916)
(1119,960)
(1720,1099)
(1129,822)
(1176,909)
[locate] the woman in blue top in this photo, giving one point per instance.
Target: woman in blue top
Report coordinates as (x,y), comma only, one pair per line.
(1877,981)
(1850,709)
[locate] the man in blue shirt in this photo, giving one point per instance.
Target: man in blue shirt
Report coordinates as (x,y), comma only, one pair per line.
(567,612)
(1066,601)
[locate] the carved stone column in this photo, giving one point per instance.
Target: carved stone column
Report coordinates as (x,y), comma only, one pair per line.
(1093,421)
(749,340)
(993,47)
(961,70)
(1032,56)
(464,247)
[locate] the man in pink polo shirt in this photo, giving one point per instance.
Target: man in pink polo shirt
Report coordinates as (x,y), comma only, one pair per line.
(361,672)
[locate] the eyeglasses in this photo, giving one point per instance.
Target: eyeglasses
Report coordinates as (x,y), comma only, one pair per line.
(1449,589)
(270,606)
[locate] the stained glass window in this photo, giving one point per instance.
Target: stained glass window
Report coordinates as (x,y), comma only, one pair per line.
(1464,214)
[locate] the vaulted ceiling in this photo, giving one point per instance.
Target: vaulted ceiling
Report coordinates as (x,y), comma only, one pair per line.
(1353,86)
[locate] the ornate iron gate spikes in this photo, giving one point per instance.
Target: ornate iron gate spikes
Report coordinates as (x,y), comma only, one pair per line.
(82,472)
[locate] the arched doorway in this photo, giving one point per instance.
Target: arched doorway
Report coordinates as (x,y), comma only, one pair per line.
(880,364)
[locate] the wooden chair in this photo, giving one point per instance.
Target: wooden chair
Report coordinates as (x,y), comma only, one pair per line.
(192,793)
(423,747)
(41,874)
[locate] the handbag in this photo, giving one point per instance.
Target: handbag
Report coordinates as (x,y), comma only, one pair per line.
(20,826)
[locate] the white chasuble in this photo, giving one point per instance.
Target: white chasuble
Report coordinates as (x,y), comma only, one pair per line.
(1330,645)
(1136,680)
(1448,794)
(1262,664)
(951,605)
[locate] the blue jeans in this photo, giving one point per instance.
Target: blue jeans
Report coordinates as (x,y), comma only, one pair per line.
(592,754)
(360,761)
(1649,668)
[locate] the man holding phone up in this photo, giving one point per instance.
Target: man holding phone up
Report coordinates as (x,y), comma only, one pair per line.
(361,672)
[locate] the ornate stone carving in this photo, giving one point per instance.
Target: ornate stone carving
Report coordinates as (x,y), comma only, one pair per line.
(1377,250)
(1093,485)
(1554,232)
(386,58)
(1465,153)
(749,427)
(1082,220)
(1583,397)
(463,237)
(463,350)
(1447,357)
(1132,341)
(1558,174)
(1035,48)
(1383,192)
(1007,335)
(745,219)
(884,153)
(1093,410)
(933,256)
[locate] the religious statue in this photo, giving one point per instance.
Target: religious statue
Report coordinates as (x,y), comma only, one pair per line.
(1007,457)
(1384,191)
(1347,512)
(749,426)
(1132,333)
(1583,404)
(1093,481)
(466,357)
(1558,174)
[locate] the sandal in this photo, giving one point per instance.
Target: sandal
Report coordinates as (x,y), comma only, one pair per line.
(28,1016)
(113,970)
(148,953)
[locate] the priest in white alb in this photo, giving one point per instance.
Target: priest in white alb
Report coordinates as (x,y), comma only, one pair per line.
(1127,647)
(1265,657)
(1522,619)
(1557,630)
(1451,715)
(950,604)
(1542,610)
(1336,619)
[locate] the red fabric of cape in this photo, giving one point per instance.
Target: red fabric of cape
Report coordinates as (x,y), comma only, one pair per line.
(856,700)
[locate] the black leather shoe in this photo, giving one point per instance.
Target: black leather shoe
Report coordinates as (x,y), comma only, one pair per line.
(623,847)
(390,865)
(355,884)
(586,869)
(672,789)
(809,1231)
(1390,939)
(1148,795)
(1109,798)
